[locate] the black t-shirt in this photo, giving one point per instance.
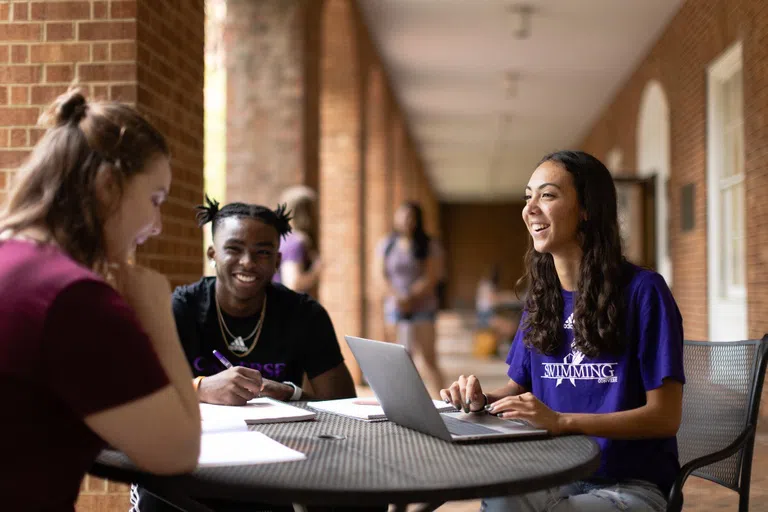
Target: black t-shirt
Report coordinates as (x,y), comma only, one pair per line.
(297,336)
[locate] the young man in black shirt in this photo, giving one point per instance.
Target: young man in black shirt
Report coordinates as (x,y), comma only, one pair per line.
(271,335)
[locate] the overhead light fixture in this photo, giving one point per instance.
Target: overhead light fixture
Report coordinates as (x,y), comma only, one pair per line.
(521,16)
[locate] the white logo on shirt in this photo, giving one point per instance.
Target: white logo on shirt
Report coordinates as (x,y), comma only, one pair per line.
(568,323)
(572,368)
(237,346)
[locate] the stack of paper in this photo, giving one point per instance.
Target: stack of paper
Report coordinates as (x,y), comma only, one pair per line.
(241,448)
(367,409)
(256,411)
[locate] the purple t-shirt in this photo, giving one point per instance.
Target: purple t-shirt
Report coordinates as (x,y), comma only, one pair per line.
(570,382)
(70,347)
(292,248)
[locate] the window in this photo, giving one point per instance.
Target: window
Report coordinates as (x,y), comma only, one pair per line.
(729,101)
(726,227)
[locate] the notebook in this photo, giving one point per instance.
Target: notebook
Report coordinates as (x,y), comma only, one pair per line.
(256,411)
(367,409)
(243,448)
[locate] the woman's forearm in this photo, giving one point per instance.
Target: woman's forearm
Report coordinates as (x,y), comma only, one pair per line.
(511,388)
(640,423)
(421,287)
(161,329)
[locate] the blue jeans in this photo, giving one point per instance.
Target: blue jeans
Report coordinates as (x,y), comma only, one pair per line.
(629,495)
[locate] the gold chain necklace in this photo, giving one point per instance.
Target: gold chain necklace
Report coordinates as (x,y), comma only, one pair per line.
(237,346)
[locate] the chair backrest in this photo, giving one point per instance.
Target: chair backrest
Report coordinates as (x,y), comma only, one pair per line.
(721,398)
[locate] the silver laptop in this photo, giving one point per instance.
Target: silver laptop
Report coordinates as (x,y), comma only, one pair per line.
(394,379)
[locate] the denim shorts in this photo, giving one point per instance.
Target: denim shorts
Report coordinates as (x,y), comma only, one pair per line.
(393,317)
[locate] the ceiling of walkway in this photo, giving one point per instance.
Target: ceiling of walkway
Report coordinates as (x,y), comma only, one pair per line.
(488,89)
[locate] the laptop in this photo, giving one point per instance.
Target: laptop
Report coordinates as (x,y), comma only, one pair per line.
(390,371)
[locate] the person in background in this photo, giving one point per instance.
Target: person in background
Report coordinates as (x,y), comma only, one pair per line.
(410,262)
(272,336)
(485,298)
(79,322)
(599,351)
(300,267)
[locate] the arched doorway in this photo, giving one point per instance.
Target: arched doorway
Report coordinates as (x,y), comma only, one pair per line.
(653,155)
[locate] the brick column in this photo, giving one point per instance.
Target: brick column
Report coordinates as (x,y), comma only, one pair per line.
(170,69)
(377,207)
(341,179)
(272,88)
(399,187)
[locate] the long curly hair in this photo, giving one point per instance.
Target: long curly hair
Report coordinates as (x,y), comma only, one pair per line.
(598,307)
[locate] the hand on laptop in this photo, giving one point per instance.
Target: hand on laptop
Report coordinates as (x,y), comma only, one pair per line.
(465,394)
(527,407)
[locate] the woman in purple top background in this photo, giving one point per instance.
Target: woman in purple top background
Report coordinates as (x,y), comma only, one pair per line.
(411,263)
(599,351)
(301,267)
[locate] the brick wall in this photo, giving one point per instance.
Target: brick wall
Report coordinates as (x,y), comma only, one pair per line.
(377,210)
(483,234)
(169,49)
(341,176)
(698,34)
(267,53)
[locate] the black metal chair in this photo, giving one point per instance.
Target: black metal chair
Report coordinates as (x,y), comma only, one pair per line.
(721,401)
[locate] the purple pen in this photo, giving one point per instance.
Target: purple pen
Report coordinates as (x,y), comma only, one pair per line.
(223,360)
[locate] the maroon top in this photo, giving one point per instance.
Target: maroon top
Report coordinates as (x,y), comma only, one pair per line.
(70,346)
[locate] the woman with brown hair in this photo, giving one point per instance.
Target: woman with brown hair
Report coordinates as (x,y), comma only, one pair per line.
(599,351)
(89,348)
(410,261)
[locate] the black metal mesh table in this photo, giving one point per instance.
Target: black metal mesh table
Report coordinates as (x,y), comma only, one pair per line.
(351,462)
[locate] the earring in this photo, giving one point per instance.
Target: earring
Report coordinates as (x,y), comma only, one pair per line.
(213,263)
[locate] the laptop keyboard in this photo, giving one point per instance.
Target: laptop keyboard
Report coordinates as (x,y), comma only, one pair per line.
(465,428)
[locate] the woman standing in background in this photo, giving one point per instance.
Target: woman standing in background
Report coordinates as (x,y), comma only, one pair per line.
(410,262)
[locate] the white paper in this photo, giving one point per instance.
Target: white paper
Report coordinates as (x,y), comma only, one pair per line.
(243,448)
(258,410)
(211,426)
(364,408)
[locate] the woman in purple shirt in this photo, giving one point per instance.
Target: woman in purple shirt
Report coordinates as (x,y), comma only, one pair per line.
(300,267)
(411,263)
(599,351)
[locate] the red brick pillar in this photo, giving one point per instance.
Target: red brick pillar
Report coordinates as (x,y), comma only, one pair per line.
(399,186)
(272,97)
(378,210)
(143,52)
(430,204)
(341,173)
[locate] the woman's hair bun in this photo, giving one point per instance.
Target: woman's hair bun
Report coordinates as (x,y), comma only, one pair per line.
(70,107)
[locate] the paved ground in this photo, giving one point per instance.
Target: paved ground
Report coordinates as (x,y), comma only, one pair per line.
(454,346)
